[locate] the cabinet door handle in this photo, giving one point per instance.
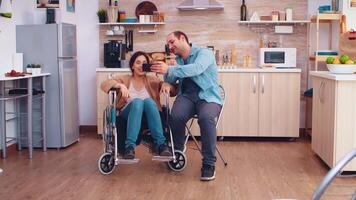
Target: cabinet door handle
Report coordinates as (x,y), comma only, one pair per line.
(263,84)
(319,92)
(323,92)
(254,83)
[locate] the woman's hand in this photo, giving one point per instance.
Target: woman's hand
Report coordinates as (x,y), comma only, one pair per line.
(123,89)
(165,88)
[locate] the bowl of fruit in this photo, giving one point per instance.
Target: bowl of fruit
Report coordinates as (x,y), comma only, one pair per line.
(342,65)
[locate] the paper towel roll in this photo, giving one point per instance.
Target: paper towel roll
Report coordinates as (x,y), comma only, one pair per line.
(17,62)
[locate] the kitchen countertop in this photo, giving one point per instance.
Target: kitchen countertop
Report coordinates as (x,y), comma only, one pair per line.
(337,77)
(5,78)
(238,69)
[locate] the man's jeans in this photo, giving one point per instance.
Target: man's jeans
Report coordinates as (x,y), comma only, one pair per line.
(184,109)
(132,113)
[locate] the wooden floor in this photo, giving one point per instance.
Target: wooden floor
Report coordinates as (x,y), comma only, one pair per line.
(257,170)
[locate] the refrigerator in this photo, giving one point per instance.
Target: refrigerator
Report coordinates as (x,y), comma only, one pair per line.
(54,47)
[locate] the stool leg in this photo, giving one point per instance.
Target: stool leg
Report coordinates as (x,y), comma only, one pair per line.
(18,117)
(2,121)
(29,117)
(3,128)
(18,122)
(221,156)
(43,115)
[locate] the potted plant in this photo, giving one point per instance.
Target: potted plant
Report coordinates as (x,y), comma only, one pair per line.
(29,68)
(102,14)
(36,69)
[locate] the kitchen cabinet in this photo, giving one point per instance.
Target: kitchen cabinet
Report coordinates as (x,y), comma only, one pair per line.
(334,114)
(261,104)
(240,114)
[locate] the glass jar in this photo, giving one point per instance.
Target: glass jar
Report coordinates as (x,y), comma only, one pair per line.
(275,15)
(155,16)
(289,14)
(282,16)
(122,16)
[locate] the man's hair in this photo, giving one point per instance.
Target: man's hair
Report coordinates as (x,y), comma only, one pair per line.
(177,34)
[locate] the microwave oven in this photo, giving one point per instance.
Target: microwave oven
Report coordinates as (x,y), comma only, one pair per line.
(278,57)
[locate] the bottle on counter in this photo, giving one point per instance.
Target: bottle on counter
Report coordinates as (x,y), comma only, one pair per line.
(243,11)
(217,57)
(335,5)
(234,56)
(247,61)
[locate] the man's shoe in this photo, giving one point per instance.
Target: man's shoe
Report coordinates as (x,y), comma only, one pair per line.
(207,173)
(164,150)
(129,153)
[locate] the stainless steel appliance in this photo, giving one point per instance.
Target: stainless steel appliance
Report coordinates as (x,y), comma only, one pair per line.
(54,47)
(278,57)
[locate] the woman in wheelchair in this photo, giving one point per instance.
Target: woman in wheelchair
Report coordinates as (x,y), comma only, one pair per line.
(138,95)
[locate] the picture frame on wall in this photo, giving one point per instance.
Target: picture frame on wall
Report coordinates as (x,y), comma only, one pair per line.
(352,4)
(47,3)
(70,6)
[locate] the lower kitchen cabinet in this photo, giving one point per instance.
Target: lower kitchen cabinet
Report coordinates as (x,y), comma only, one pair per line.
(261,104)
(333,120)
(257,104)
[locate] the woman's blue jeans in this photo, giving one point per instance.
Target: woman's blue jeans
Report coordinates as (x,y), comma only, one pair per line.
(133,115)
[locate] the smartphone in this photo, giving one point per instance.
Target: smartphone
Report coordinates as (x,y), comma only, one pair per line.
(146,67)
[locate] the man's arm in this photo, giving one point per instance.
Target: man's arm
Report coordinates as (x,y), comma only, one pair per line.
(204,59)
(170,78)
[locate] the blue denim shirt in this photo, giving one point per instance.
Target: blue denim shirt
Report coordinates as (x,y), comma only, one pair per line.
(201,67)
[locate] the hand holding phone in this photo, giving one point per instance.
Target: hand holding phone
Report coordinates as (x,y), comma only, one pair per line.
(146,67)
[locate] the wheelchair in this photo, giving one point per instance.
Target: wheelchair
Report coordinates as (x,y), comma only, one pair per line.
(114,136)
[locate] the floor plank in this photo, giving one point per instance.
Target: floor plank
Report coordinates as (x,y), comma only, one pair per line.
(256,170)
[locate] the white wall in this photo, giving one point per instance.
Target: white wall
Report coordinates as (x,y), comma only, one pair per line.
(7,43)
(350,15)
(88,59)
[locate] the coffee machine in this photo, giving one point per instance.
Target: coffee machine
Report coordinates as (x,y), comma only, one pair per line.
(114,53)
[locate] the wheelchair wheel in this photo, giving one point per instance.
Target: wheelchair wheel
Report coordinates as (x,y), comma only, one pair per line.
(180,163)
(106,163)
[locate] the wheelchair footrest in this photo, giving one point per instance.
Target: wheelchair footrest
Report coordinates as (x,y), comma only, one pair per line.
(128,161)
(162,158)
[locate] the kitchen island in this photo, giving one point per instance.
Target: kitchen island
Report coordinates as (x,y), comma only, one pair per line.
(259,102)
(334,116)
